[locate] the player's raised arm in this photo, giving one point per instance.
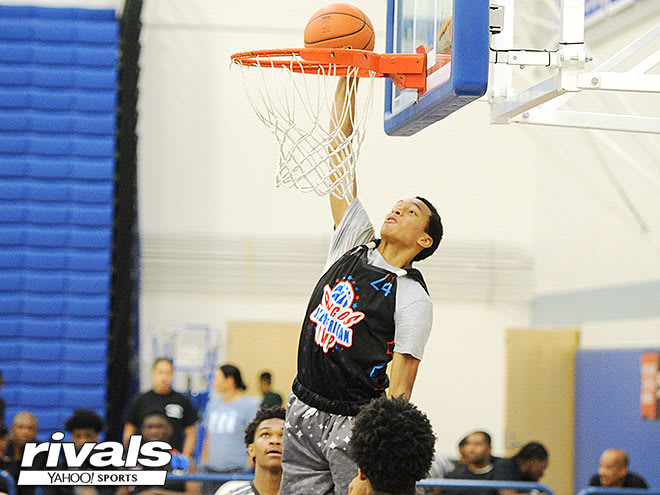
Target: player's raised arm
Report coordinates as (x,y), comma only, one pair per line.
(342,117)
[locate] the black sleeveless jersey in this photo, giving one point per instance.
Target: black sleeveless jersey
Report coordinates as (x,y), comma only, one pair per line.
(347,337)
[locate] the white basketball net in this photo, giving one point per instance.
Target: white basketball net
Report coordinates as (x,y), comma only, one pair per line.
(314,152)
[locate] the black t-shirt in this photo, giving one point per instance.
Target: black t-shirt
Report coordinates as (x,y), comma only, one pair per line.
(508,470)
(462,472)
(175,406)
(631,480)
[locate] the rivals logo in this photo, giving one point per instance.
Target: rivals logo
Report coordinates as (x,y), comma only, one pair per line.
(334,316)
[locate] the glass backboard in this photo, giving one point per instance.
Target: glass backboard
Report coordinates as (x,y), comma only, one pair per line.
(455,36)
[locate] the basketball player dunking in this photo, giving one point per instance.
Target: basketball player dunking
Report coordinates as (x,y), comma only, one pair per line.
(369,308)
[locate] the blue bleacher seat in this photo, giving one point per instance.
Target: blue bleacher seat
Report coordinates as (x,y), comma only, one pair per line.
(51,305)
(92,193)
(87,397)
(98,169)
(94,237)
(46,236)
(88,306)
(13,190)
(11,280)
(10,326)
(11,349)
(46,374)
(39,281)
(11,304)
(58,99)
(29,52)
(87,352)
(88,283)
(94,260)
(10,374)
(13,166)
(95,328)
(50,351)
(57,77)
(88,215)
(84,375)
(13,236)
(49,420)
(22,11)
(46,259)
(59,191)
(11,120)
(12,257)
(50,214)
(10,392)
(40,396)
(42,327)
(58,30)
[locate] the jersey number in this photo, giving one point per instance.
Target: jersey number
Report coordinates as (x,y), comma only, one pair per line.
(386,287)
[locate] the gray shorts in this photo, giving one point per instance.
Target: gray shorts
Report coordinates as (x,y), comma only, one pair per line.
(314,457)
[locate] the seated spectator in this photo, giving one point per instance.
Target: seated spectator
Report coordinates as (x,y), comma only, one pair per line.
(24,429)
(161,398)
(440,467)
(4,459)
(613,472)
(392,445)
(478,464)
(529,464)
(263,439)
(84,426)
(156,427)
(270,398)
(225,420)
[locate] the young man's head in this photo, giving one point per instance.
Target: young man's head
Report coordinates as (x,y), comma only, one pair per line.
(24,429)
(414,222)
(532,460)
(85,426)
(162,373)
(156,427)
(478,449)
(613,467)
(392,444)
(263,439)
(265,380)
(228,379)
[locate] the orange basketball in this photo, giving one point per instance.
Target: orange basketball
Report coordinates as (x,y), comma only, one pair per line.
(340,25)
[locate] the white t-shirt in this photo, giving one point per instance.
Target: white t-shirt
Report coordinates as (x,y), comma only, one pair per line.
(413,316)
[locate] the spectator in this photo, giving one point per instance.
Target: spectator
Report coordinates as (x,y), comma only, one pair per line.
(478,464)
(5,462)
(461,451)
(225,420)
(270,398)
(157,427)
(85,426)
(440,467)
(161,398)
(2,403)
(529,464)
(613,472)
(24,429)
(392,445)
(263,439)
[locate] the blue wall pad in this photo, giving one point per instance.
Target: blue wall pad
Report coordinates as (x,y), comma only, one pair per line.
(607,414)
(58,98)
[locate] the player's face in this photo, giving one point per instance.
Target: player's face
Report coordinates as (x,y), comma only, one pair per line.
(406,223)
(612,470)
(156,429)
(267,446)
(81,436)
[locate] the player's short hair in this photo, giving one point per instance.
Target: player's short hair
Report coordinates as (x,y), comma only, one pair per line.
(433,228)
(393,444)
(262,415)
(530,451)
(161,359)
(231,370)
(82,419)
(159,414)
